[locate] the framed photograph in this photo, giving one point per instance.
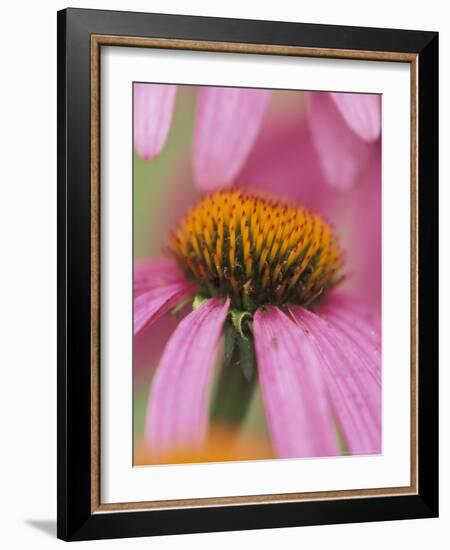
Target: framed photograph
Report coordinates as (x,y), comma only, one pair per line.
(247,287)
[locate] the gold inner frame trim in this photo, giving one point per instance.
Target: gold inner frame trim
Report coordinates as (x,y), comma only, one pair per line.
(97,41)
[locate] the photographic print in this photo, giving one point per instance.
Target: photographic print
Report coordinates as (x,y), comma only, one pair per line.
(257,274)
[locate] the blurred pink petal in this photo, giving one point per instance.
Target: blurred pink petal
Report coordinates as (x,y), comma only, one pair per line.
(362,112)
(351,376)
(285,162)
(342,153)
(226,126)
(150,274)
(294,395)
(149,345)
(153,109)
(366,232)
(178,406)
(150,305)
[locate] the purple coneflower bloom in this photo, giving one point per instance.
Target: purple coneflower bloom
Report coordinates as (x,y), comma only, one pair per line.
(265,271)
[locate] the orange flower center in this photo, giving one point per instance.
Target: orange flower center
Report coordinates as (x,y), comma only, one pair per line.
(257,250)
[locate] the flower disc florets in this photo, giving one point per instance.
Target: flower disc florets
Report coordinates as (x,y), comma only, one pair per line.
(257,250)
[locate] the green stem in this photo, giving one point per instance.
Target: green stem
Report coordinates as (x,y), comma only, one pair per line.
(236,380)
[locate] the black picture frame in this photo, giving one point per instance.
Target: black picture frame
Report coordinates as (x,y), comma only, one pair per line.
(76,521)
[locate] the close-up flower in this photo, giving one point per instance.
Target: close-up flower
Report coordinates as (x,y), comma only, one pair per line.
(271,276)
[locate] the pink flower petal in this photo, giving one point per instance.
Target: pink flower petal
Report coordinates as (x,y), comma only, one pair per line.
(362,112)
(178,408)
(153,109)
(285,162)
(354,323)
(227,123)
(294,394)
(150,305)
(343,308)
(150,274)
(342,153)
(351,376)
